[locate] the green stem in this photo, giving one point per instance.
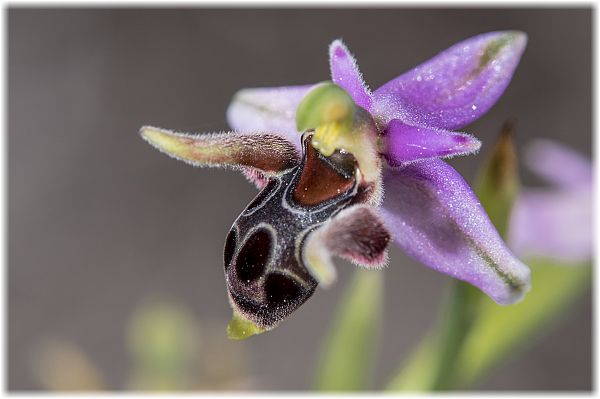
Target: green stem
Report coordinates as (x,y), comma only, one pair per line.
(431,367)
(457,318)
(347,354)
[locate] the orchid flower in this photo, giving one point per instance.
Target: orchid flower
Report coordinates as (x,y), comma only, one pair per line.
(322,155)
(555,223)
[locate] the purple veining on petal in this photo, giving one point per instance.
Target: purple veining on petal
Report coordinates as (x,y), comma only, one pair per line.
(455,87)
(406,143)
(436,219)
(267,110)
(555,222)
(345,73)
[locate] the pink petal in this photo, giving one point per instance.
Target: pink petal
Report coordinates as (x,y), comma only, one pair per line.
(407,143)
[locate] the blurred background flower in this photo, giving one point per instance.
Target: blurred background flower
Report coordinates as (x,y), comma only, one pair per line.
(551,230)
(168,350)
(555,222)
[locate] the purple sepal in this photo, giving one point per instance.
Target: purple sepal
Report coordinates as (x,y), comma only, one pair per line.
(267,110)
(407,143)
(345,73)
(435,218)
(455,87)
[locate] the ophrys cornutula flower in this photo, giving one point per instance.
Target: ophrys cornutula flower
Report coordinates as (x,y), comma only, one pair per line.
(322,155)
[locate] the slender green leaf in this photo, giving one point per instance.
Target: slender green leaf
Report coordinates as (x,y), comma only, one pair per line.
(431,365)
(347,353)
(416,374)
(502,330)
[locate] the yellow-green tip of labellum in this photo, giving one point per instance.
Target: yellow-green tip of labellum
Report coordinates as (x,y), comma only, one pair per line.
(240,328)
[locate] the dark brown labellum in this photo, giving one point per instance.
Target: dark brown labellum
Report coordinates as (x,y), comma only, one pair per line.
(254,256)
(265,276)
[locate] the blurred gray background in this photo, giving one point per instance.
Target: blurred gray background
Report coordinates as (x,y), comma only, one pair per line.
(99,221)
